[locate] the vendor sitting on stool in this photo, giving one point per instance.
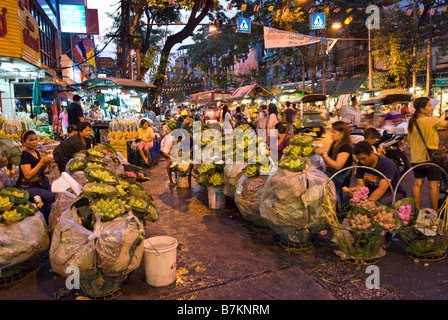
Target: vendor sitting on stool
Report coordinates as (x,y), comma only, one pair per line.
(145,136)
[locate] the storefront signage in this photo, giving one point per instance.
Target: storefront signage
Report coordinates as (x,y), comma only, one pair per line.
(442,82)
(28,39)
(73,18)
(120,146)
(3,24)
(105,62)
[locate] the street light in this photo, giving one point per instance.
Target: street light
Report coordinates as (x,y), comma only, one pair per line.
(336,25)
(212,28)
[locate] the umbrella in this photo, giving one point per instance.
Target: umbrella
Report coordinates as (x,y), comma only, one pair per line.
(394,91)
(397,97)
(37,95)
(372,101)
(309,98)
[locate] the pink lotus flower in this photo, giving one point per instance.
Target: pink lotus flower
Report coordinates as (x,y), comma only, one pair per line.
(131,174)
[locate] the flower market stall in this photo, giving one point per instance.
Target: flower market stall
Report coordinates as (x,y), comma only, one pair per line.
(292,196)
(360,231)
(97,220)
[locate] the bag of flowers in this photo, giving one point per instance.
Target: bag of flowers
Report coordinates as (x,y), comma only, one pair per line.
(291,203)
(248,195)
(105,253)
(23,238)
(62,203)
(424,230)
(361,234)
(232,174)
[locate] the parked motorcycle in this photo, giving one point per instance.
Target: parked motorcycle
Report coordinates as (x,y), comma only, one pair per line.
(391,145)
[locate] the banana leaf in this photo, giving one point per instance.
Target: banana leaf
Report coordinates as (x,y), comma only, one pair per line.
(28,209)
(138,211)
(76,165)
(91,178)
(95,153)
(103,216)
(132,168)
(109,191)
(20,196)
(287,163)
(140,194)
(103,146)
(153,214)
(9,205)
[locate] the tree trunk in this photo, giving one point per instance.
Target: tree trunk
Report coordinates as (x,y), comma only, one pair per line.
(174,39)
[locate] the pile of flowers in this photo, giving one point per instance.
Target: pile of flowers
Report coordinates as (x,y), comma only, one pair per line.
(424,230)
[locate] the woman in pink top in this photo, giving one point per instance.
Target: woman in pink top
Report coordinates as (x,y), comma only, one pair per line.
(64,120)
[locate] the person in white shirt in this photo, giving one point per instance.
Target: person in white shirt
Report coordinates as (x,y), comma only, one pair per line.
(165,148)
(351,115)
(227,120)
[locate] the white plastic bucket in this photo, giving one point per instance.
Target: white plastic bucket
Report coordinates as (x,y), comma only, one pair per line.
(160,260)
(216,197)
(183,182)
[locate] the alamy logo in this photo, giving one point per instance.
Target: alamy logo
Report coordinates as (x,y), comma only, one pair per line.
(73,280)
(373,281)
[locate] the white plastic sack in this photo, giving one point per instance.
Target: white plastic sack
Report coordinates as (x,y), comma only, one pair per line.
(23,240)
(113,248)
(293,200)
(248,195)
(232,174)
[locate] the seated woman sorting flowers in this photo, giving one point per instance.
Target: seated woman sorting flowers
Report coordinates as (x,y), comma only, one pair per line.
(32,171)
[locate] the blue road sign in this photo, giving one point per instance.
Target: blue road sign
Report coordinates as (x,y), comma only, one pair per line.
(243,25)
(317,21)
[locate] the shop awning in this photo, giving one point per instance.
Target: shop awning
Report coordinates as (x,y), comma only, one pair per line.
(253,90)
(348,86)
(126,84)
(330,87)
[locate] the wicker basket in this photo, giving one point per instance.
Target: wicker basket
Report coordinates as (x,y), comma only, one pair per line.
(102,286)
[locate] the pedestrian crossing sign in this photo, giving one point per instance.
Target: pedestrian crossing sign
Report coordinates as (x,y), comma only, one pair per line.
(243,25)
(317,21)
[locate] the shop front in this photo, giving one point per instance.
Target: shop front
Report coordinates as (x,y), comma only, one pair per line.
(209,98)
(250,93)
(20,55)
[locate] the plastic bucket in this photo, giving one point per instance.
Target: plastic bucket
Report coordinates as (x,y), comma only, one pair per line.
(160,260)
(216,197)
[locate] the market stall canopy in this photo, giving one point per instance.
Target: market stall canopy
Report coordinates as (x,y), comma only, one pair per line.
(331,87)
(348,86)
(126,84)
(210,96)
(253,90)
(309,98)
(388,99)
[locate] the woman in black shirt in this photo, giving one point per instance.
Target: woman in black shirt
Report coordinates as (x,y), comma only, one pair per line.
(66,149)
(32,170)
(339,156)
